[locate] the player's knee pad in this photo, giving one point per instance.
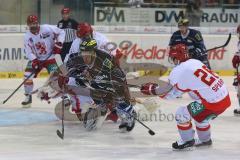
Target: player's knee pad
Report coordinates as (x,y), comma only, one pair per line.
(183,118)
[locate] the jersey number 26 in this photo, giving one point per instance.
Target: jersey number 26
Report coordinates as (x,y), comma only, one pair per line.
(206,75)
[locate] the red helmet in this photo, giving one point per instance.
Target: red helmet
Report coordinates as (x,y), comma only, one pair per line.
(32,19)
(84,29)
(65,11)
(179,52)
(33,24)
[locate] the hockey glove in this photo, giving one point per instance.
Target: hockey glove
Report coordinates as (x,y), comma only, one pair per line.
(57,49)
(149,88)
(236,60)
(36,64)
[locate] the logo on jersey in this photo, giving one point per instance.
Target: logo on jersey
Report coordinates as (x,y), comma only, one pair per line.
(107,63)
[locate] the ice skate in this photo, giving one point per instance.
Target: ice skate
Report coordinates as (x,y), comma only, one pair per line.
(27,102)
(236,112)
(180,145)
(198,143)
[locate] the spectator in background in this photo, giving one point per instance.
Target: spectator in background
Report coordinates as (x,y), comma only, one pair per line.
(70,27)
(135,3)
(193,12)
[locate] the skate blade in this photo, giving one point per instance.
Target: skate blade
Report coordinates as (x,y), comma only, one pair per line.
(185,149)
(26,106)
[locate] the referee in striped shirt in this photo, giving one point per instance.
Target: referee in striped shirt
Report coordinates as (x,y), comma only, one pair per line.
(69,26)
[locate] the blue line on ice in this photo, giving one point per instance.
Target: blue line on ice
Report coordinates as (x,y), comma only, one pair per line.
(10,117)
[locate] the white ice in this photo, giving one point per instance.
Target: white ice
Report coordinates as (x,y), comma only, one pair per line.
(39,141)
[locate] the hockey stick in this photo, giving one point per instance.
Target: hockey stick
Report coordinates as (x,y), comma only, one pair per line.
(22,83)
(59,62)
(61,134)
(17,88)
(150,131)
(224,45)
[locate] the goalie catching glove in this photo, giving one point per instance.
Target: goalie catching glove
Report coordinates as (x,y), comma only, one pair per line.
(149,88)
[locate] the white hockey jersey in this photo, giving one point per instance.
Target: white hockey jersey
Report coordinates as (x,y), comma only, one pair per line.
(193,76)
(99,37)
(40,46)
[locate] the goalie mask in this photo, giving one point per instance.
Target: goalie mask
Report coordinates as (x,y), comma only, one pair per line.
(178,53)
(33,24)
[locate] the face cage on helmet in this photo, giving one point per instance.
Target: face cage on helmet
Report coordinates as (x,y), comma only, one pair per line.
(172,59)
(33,27)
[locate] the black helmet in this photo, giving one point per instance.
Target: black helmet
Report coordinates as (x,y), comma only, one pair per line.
(88,45)
(183,22)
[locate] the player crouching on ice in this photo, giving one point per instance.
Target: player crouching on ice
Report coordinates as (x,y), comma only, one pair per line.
(211,97)
(98,71)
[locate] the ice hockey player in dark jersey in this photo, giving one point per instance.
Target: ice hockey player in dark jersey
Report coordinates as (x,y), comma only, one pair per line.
(98,71)
(69,25)
(192,39)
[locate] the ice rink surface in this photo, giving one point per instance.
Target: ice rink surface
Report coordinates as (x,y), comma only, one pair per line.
(30,134)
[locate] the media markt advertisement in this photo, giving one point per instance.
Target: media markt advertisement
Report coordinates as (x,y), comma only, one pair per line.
(139,48)
(162,16)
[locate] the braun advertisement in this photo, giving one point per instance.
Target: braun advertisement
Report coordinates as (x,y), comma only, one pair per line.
(162,16)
